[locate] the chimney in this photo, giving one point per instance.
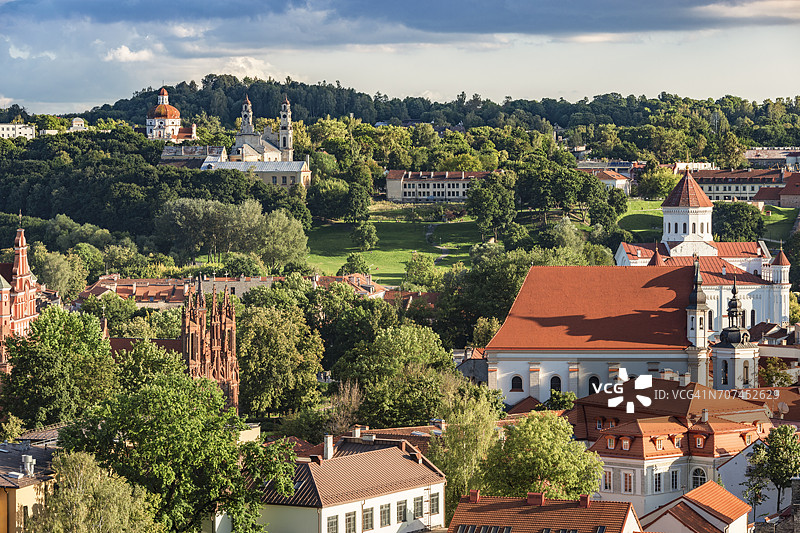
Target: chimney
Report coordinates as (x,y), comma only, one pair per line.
(475,495)
(403,446)
(684,379)
(327,452)
(704,416)
(439,422)
(357,431)
(28,463)
(316,459)
(536,498)
(584,501)
(416,457)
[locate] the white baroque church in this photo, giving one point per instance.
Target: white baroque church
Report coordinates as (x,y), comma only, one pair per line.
(164,122)
(251,145)
(677,310)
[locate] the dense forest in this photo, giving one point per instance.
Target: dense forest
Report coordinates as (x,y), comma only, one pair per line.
(669,126)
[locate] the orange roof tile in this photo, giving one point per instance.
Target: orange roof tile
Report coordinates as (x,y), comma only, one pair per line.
(768,194)
(691,519)
(554,514)
(687,193)
(711,269)
(714,499)
(781,259)
(598,308)
(737,249)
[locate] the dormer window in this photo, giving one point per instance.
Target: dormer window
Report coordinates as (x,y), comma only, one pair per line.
(760,427)
(748,439)
(699,441)
(659,444)
(600,423)
(626,444)
(678,442)
(610,443)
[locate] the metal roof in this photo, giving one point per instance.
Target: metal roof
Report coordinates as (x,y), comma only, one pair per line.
(256,166)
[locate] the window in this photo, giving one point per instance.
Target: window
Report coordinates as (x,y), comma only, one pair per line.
(711,319)
(607,483)
(333,524)
(691,324)
(678,441)
(746,372)
(555,384)
(418,507)
(599,423)
(627,482)
(748,439)
(684,227)
(274,180)
(611,423)
(386,511)
(701,227)
(698,443)
(516,384)
(610,443)
(701,321)
(760,427)
(694,227)
(657,482)
(626,444)
(401,511)
(698,477)
(659,444)
(435,503)
(594,385)
(724,372)
(753,312)
(350,522)
(283,180)
(674,479)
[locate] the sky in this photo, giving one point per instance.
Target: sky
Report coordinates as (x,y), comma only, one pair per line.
(63,56)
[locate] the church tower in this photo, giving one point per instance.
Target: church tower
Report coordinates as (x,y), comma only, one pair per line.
(781,286)
(735,357)
(697,329)
(687,213)
(247,117)
(286,146)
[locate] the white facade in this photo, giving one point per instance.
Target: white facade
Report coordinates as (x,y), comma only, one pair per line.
(12,131)
(732,475)
(687,224)
(289,519)
(161,126)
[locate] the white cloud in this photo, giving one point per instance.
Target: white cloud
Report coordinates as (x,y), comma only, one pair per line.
(755,10)
(5,102)
(184,31)
(123,54)
(18,53)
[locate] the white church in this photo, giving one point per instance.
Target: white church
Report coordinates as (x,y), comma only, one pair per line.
(679,309)
(251,145)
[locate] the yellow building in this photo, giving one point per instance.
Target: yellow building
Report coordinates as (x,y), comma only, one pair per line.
(24,475)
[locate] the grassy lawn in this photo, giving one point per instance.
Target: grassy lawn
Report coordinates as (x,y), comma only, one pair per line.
(779,223)
(643,219)
(458,237)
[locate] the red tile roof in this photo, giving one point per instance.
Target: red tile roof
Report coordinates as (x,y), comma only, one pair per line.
(768,194)
(524,406)
(554,514)
(687,193)
(429,175)
(717,501)
(792,186)
(598,308)
(711,269)
(781,259)
(738,249)
(691,519)
(745,175)
(163,111)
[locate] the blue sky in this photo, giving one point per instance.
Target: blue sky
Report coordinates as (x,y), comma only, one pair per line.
(70,55)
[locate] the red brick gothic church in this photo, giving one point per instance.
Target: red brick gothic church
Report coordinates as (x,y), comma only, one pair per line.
(18,290)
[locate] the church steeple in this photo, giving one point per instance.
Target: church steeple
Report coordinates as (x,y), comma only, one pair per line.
(697,311)
(247,116)
(687,213)
(735,357)
(285,136)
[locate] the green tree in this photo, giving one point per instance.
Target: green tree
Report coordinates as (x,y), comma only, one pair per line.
(558,401)
(59,370)
(421,272)
(731,152)
(285,241)
(737,222)
(491,202)
(279,357)
(181,444)
(618,201)
(88,499)
(144,362)
(12,428)
(110,306)
(776,459)
(539,454)
(484,330)
(356,206)
(462,447)
(774,373)
(355,264)
(657,182)
(364,236)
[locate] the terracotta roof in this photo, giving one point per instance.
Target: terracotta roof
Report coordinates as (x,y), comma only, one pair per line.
(163,111)
(711,269)
(355,477)
(554,514)
(781,259)
(738,249)
(744,175)
(162,92)
(406,175)
(657,259)
(644,250)
(768,194)
(714,499)
(792,186)
(610,175)
(598,308)
(687,193)
(642,436)
(691,519)
(524,406)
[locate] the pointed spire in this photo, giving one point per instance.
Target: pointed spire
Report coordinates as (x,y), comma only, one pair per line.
(20,225)
(247,99)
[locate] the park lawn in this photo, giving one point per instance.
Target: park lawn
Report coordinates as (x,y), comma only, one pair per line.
(643,219)
(778,225)
(330,245)
(458,238)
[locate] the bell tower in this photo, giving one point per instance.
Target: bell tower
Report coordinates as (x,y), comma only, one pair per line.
(697,329)
(285,140)
(247,116)
(735,357)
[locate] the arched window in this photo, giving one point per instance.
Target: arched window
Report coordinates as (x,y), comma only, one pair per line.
(701,227)
(711,320)
(724,372)
(516,384)
(746,372)
(755,272)
(555,383)
(691,322)
(684,227)
(753,317)
(698,477)
(701,322)
(694,227)
(594,385)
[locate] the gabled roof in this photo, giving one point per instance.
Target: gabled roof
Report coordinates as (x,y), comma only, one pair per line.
(557,515)
(691,519)
(714,499)
(355,477)
(687,193)
(598,308)
(768,194)
(711,270)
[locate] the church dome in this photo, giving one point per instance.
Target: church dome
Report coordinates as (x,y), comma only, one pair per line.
(163,111)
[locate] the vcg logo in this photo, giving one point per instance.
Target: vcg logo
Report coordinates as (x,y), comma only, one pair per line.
(640,383)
